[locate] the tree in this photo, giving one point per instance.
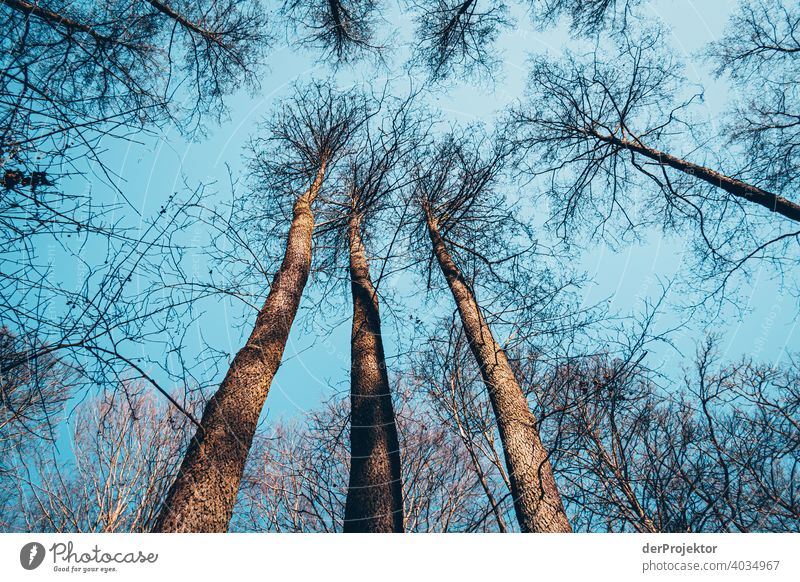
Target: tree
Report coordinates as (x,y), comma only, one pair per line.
(585,16)
(449,371)
(32,395)
(125,451)
(97,320)
(453,191)
(296,475)
(353,214)
(343,29)
(457,37)
(600,131)
(74,72)
(295,481)
(305,139)
(374,493)
(760,55)
(442,492)
(546,330)
(74,76)
(639,452)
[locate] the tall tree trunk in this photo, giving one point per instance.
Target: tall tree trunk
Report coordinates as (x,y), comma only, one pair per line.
(374,493)
(204,493)
(773,202)
(536,499)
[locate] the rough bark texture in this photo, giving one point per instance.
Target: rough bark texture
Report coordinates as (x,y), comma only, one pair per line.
(204,493)
(374,493)
(537,502)
(773,202)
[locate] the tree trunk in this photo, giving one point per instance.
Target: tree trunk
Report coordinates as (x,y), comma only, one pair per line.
(773,202)
(536,499)
(374,494)
(204,492)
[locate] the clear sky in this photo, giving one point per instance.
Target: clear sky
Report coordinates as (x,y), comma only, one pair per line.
(313,367)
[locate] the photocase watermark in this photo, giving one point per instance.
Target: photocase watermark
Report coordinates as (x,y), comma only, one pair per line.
(31,555)
(680,549)
(66,558)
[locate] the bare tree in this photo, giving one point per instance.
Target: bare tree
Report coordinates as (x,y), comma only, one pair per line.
(343,29)
(760,55)
(457,37)
(297,474)
(599,131)
(454,193)
(32,396)
(83,60)
(74,73)
(448,372)
(73,76)
(296,478)
(125,451)
(305,139)
(545,334)
(638,452)
(95,323)
(374,493)
(585,16)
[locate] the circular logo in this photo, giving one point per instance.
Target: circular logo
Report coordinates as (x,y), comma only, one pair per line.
(31,555)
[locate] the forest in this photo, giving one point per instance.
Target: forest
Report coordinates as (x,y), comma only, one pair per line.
(399,266)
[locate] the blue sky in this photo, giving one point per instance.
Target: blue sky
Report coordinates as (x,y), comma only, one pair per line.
(626,277)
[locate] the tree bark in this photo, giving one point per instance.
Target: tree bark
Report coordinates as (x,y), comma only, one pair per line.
(773,202)
(204,493)
(537,501)
(374,494)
